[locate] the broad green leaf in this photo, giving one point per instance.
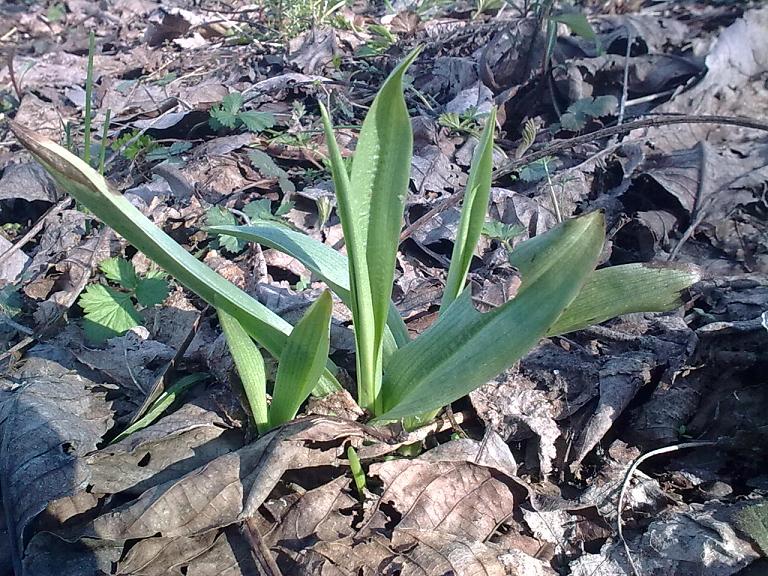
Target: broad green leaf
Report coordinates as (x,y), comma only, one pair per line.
(302,361)
(370,204)
(121,271)
(151,291)
(611,292)
(226,114)
(256,121)
(322,260)
(575,118)
(250,368)
(91,190)
(465,349)
(161,404)
(264,163)
(472,213)
(217,216)
(108,312)
(578,24)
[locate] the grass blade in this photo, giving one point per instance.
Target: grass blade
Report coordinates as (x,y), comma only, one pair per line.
(250,367)
(88,99)
(611,292)
(370,204)
(161,404)
(91,190)
(472,213)
(302,361)
(464,348)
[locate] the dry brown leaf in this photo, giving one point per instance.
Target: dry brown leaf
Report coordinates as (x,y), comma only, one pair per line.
(228,488)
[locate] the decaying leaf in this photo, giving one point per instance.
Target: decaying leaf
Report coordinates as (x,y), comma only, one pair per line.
(49,424)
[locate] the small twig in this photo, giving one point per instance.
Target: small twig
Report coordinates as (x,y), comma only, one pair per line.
(262,555)
(625,86)
(12,74)
(456,426)
(130,370)
(628,478)
(18,347)
(697,212)
(562,145)
(440,207)
(32,232)
(666,120)
(553,194)
(8,34)
(5,319)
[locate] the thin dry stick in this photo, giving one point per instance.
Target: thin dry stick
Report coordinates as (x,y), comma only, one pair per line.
(625,86)
(666,120)
(12,74)
(32,232)
(628,478)
(698,212)
(262,555)
(561,145)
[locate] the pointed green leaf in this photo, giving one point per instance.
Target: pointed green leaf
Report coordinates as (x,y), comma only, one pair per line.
(578,24)
(465,349)
(370,205)
(91,190)
(250,368)
(302,361)
(611,292)
(162,403)
(322,260)
(473,213)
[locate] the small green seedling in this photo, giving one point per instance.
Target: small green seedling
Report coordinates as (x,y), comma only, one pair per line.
(381,40)
(229,115)
(504,233)
(358,475)
(134,144)
(111,311)
(465,123)
(164,401)
(260,210)
(167,153)
(398,378)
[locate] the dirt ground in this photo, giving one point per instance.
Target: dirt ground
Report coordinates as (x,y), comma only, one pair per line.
(638,446)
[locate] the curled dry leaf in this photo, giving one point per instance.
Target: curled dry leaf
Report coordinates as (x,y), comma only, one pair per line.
(48,425)
(228,488)
(175,445)
(457,497)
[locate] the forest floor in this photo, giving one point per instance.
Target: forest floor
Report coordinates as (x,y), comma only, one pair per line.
(213,118)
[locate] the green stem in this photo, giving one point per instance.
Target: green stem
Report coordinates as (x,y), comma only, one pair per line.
(88,99)
(103,143)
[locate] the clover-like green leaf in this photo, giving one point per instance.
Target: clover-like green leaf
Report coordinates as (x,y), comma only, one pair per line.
(256,121)
(108,313)
(121,271)
(217,216)
(151,291)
